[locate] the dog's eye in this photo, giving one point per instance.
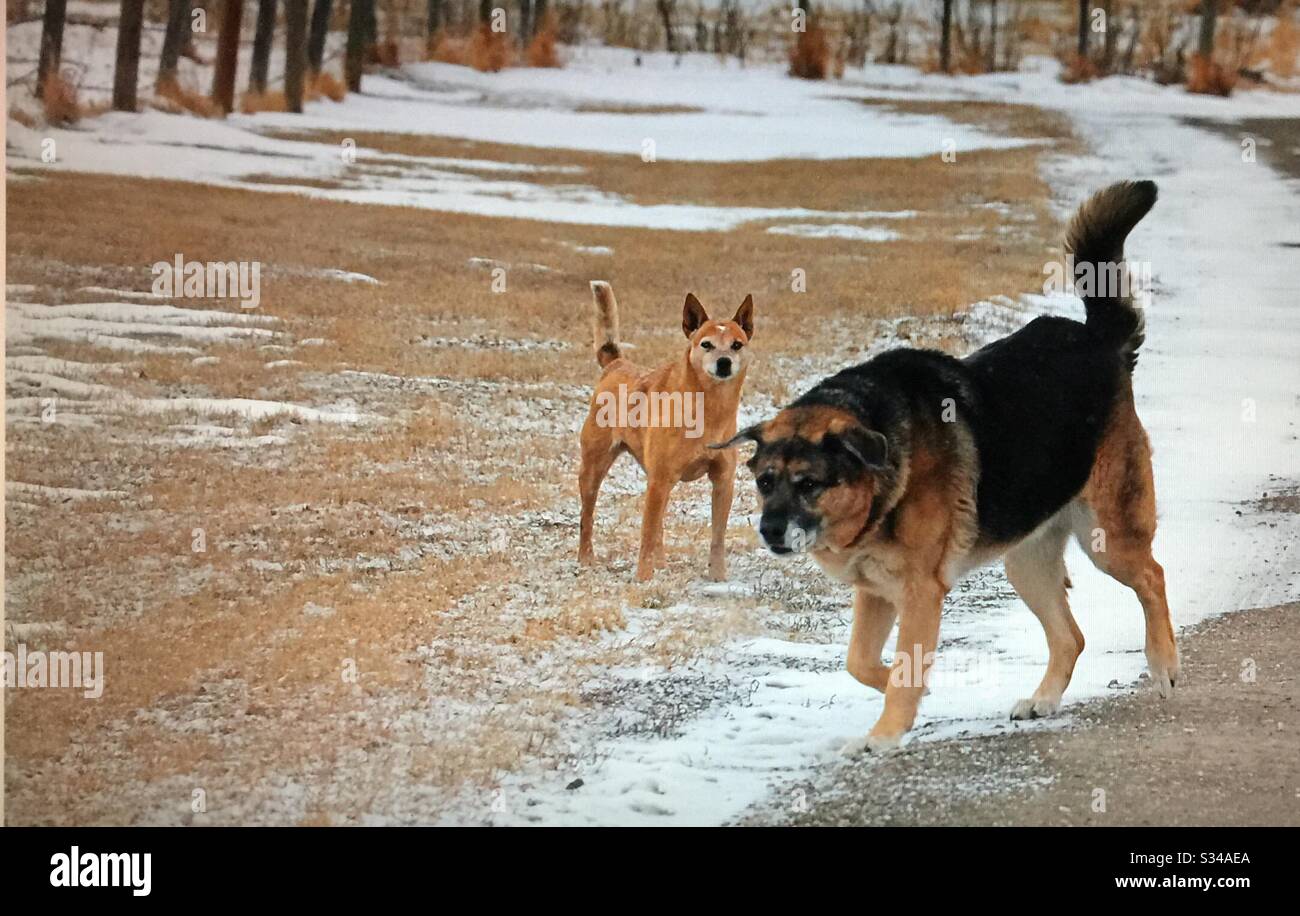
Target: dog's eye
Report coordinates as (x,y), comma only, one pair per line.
(765,483)
(706,345)
(808,485)
(737,345)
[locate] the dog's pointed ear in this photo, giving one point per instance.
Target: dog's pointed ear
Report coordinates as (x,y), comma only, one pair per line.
(865,446)
(693,315)
(745,317)
(752,433)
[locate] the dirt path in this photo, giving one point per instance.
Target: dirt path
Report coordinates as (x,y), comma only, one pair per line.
(1221,752)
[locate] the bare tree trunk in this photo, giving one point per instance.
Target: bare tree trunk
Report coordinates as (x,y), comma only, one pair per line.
(126,71)
(945,37)
(295,53)
(539,14)
(1111,39)
(1083,28)
(223,80)
(263,38)
(178,24)
(1205,47)
(320,26)
(484,11)
(434,21)
(358,29)
(51,41)
(993,35)
(525,21)
(666,12)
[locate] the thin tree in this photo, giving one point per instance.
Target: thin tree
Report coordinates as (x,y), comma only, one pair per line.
(539,14)
(666,12)
(993,35)
(433,23)
(945,37)
(126,70)
(1083,29)
(174,38)
(320,24)
(358,32)
(51,42)
(1205,47)
(263,38)
(223,79)
(295,53)
(525,21)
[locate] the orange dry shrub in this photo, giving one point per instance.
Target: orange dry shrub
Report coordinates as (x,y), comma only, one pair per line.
(327,85)
(1283,46)
(59,99)
(187,99)
(541,50)
(1210,78)
(810,58)
(489,51)
(253,102)
(385,53)
(1079,70)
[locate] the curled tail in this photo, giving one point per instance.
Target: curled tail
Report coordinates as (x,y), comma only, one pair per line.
(605,323)
(1095,241)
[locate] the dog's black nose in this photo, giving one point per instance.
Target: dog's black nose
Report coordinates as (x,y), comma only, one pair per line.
(723,366)
(773,532)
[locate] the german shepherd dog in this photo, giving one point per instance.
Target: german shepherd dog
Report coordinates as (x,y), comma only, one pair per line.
(903,473)
(674,411)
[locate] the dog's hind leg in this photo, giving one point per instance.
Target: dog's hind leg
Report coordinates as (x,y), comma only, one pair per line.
(597,458)
(1036,569)
(1115,523)
(722,474)
(873,619)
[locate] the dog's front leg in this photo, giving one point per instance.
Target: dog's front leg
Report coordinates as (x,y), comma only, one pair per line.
(918,635)
(652,526)
(873,618)
(722,475)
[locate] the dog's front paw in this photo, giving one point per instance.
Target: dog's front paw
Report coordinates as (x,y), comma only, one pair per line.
(1035,709)
(873,744)
(645,572)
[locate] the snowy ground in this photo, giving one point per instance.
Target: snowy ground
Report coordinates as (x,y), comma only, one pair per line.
(1217,385)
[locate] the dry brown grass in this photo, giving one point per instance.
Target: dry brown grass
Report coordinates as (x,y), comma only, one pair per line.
(26,119)
(810,56)
(59,101)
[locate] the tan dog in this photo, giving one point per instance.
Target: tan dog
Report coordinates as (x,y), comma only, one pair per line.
(666,418)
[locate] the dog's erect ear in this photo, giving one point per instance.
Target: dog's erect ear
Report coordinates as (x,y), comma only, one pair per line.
(693,315)
(865,446)
(752,433)
(745,317)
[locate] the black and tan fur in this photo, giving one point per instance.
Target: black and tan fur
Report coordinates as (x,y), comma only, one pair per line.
(903,473)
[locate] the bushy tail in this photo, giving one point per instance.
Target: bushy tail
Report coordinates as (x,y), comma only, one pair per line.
(1095,239)
(605,323)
